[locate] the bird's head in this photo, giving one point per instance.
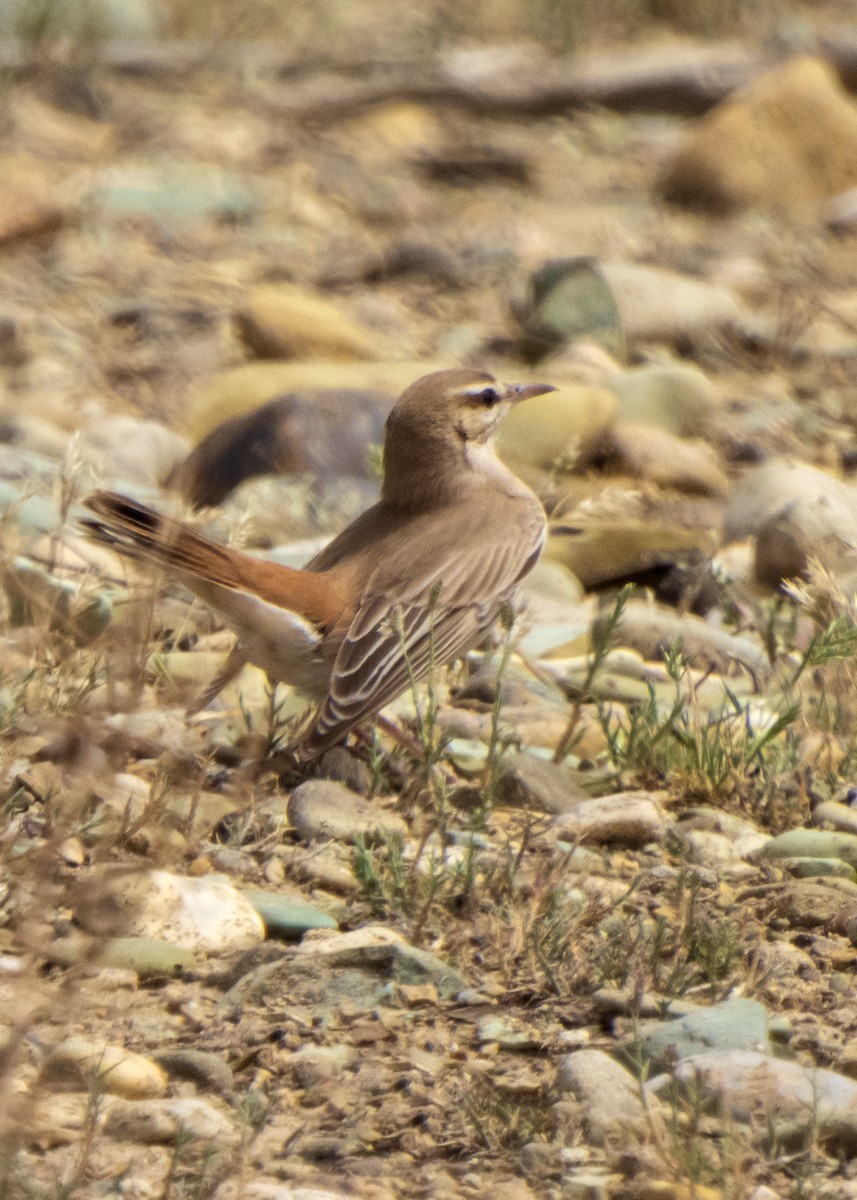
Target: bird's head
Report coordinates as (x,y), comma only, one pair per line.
(439,423)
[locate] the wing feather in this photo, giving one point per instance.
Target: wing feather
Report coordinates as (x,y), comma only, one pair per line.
(394,639)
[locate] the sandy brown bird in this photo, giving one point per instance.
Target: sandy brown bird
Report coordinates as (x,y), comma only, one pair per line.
(419,578)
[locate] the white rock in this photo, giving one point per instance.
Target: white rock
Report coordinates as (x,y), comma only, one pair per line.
(207,914)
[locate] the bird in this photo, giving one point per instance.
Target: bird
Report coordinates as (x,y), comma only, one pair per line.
(416,580)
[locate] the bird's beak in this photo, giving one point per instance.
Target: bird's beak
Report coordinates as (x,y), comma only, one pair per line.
(524,391)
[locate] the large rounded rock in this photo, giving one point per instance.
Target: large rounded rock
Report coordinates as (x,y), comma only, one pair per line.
(659,457)
(656,305)
(797,513)
(328,433)
(783,144)
(242,389)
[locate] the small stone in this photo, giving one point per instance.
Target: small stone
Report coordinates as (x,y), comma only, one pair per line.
(841,816)
(528,782)
(28,208)
(148,958)
(783,144)
(509,1033)
(611,1096)
(415,967)
(321,809)
(627,818)
(313,1064)
(736,1024)
(201,1066)
(794,1100)
(812,843)
(673,396)
(285,917)
(80,1065)
(123,450)
(659,457)
(551,433)
(285,321)
(163,1121)
(657,305)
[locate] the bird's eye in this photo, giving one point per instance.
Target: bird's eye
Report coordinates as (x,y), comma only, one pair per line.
(488,396)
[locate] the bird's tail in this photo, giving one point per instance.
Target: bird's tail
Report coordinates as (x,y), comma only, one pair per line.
(139,532)
(226,578)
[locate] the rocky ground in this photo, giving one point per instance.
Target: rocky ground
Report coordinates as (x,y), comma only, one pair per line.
(600,939)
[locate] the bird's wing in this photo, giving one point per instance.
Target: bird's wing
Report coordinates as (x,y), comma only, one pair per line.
(394,639)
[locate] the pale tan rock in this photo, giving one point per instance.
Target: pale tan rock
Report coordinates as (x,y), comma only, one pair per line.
(122,449)
(285,321)
(355,947)
(56,1120)
(659,457)
(626,818)
(797,513)
(657,305)
(783,144)
(79,1064)
(28,206)
(600,550)
(160,1121)
(651,628)
(674,396)
(321,809)
(408,128)
(553,433)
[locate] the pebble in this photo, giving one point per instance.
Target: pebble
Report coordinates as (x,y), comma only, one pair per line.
(321,809)
(659,457)
(554,432)
(286,321)
(80,1064)
(528,782)
(785,1096)
(651,629)
(206,915)
(672,396)
(204,1067)
(28,206)
(163,1121)
(509,1033)
(626,818)
(610,1095)
(312,1064)
(783,144)
(286,917)
(812,843)
(736,1024)
(277,1189)
(841,816)
(148,958)
(795,512)
(658,305)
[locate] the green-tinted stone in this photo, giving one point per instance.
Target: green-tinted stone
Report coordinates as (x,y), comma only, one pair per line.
(286,918)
